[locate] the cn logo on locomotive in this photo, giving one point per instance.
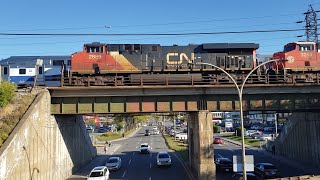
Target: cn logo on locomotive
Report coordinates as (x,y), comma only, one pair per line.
(182,56)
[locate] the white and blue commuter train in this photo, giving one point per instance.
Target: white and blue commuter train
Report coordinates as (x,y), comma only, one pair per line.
(21,70)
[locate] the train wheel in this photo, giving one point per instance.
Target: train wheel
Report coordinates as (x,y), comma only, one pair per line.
(79,82)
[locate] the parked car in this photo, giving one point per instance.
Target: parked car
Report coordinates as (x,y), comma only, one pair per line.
(218,141)
(145,148)
(250,132)
(266,170)
(256,135)
(182,136)
(163,159)
(266,137)
(239,176)
(113,163)
(224,164)
(99,172)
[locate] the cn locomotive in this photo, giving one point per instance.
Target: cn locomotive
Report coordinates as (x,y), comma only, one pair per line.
(152,64)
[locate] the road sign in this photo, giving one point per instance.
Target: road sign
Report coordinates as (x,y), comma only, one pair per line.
(238,165)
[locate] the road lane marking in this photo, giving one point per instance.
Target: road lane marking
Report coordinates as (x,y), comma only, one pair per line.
(133,153)
(124,174)
(150,178)
(150,165)
(130,161)
(190,177)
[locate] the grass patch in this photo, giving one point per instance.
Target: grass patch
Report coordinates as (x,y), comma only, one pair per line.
(108,136)
(177,146)
(12,113)
(247,140)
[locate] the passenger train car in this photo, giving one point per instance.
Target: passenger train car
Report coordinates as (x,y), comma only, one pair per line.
(21,70)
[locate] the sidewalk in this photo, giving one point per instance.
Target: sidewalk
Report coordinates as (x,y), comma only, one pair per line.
(295,164)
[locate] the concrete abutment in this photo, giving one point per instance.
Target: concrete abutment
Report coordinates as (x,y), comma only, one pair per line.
(43,146)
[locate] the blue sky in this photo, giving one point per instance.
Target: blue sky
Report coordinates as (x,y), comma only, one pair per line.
(145,16)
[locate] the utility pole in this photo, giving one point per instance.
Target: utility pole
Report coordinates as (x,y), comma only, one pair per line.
(311,24)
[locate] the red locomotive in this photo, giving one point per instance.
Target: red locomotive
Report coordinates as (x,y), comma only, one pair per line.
(300,56)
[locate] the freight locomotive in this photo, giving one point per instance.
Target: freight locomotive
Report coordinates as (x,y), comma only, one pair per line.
(152,64)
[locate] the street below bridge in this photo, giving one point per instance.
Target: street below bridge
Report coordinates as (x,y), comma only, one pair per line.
(228,149)
(136,166)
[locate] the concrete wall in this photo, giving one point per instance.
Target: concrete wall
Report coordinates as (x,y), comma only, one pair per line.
(300,138)
(43,146)
(200,132)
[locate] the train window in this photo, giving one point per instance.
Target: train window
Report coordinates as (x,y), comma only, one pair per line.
(22,71)
(40,70)
(5,70)
(137,47)
(69,63)
(306,47)
(127,47)
(57,62)
(154,48)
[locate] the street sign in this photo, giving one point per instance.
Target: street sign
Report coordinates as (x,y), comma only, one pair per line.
(238,165)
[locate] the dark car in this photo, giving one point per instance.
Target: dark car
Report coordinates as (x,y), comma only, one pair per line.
(239,176)
(147,132)
(266,170)
(224,164)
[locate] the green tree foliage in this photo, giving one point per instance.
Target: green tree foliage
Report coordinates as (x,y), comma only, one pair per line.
(216,129)
(6,93)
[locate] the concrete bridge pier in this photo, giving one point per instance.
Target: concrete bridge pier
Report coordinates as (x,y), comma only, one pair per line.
(201,145)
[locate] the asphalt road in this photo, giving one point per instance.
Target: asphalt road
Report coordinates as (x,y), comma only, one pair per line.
(229,149)
(136,166)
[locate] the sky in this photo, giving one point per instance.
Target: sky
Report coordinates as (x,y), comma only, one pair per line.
(146,16)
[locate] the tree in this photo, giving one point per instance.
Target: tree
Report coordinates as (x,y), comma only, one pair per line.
(7,90)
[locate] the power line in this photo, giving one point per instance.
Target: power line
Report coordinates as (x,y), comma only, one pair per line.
(149,34)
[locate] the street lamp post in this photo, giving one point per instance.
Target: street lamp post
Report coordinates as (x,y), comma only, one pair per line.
(240,90)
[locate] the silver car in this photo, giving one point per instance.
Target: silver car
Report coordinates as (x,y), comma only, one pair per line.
(163,159)
(113,163)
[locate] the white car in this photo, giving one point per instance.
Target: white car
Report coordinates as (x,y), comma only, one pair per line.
(156,132)
(163,159)
(145,148)
(99,173)
(155,128)
(114,163)
(266,137)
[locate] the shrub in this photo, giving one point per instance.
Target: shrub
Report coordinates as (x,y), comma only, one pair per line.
(216,129)
(107,134)
(6,93)
(238,131)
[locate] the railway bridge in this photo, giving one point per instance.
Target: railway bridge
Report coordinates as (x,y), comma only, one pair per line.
(198,101)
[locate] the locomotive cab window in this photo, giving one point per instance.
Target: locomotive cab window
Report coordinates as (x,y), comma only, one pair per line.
(22,71)
(94,49)
(306,47)
(289,48)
